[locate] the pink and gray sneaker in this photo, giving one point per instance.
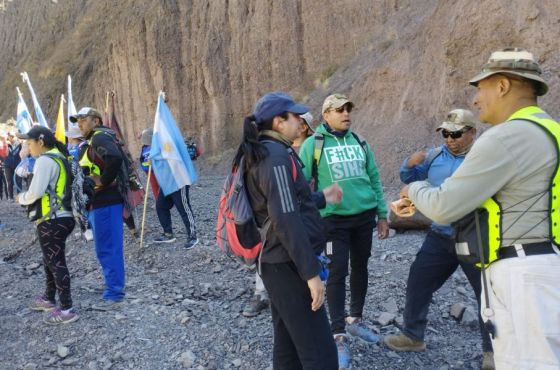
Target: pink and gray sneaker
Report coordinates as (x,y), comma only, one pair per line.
(42,304)
(59,316)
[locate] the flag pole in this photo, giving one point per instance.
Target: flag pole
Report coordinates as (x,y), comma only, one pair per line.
(145,205)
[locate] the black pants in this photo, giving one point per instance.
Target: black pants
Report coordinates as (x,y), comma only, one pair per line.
(302,339)
(350,238)
(3,184)
(52,238)
(434,264)
(179,199)
(9,172)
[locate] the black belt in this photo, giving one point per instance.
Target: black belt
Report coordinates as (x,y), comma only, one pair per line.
(530,250)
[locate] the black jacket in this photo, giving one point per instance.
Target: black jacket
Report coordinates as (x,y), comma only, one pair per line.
(105,153)
(296,232)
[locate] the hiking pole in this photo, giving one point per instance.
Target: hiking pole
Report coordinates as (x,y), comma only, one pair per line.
(145,205)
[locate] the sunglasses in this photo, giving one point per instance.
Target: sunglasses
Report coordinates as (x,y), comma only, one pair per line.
(345,107)
(454,134)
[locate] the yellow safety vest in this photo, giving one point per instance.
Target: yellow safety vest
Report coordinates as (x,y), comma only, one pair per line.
(494,235)
(59,198)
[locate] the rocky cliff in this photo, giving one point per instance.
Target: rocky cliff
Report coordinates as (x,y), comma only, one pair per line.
(404,63)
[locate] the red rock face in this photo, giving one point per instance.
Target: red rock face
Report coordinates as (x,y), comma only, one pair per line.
(404,63)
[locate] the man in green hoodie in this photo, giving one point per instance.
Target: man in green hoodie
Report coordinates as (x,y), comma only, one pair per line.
(335,154)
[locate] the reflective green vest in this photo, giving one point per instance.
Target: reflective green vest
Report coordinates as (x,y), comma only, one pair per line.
(539,117)
(59,198)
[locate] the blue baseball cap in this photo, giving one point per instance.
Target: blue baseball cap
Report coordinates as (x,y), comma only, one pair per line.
(275,103)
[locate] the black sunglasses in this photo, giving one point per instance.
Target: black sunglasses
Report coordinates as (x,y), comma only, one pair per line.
(454,134)
(345,107)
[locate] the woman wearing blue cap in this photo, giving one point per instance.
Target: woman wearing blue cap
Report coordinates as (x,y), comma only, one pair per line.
(278,191)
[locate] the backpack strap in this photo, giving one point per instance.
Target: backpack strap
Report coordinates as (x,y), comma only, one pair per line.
(317,152)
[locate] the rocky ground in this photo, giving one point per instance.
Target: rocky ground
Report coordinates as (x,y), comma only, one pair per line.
(183,308)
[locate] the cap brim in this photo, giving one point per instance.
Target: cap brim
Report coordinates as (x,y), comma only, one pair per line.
(541,90)
(298,109)
(450,126)
(22,136)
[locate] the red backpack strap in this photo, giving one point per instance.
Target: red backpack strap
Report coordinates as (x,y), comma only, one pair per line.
(294,168)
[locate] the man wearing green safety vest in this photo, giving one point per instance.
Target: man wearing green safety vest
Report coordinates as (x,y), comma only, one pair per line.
(512,173)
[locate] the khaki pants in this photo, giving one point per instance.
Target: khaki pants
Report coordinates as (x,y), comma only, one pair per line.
(524,293)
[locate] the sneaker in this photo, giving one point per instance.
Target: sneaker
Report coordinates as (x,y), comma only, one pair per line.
(403,343)
(42,304)
(488,361)
(108,305)
(59,316)
(359,330)
(165,238)
(88,234)
(135,233)
(343,349)
(255,306)
(191,243)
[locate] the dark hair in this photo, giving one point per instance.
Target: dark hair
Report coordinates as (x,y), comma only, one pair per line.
(251,148)
(50,142)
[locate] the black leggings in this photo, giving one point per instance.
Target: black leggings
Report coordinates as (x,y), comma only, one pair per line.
(52,238)
(350,241)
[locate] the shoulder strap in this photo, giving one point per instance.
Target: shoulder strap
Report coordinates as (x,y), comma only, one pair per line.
(317,152)
(361,140)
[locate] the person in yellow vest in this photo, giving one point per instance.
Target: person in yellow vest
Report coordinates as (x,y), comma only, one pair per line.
(509,177)
(48,200)
(103,162)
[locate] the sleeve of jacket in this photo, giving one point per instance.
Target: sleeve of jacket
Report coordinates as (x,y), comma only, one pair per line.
(485,170)
(375,180)
(416,173)
(276,181)
(106,148)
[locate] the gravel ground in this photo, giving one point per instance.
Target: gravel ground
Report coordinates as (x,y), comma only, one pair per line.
(183,308)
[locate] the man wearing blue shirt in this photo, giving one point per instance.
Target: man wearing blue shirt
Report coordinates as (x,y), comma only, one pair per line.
(437,259)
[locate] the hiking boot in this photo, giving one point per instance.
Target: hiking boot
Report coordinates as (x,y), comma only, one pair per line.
(255,306)
(403,343)
(191,243)
(165,238)
(488,361)
(108,305)
(359,330)
(343,349)
(59,316)
(42,304)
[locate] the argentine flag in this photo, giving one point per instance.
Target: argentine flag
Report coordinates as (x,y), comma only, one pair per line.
(38,111)
(171,162)
(71,107)
(23,118)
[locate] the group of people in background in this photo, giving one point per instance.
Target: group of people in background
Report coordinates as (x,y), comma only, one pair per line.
(52,200)
(505,181)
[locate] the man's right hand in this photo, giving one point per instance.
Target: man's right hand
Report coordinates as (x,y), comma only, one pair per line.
(333,193)
(416,159)
(317,289)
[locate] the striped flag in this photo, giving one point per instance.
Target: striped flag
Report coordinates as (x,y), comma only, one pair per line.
(38,111)
(23,118)
(171,161)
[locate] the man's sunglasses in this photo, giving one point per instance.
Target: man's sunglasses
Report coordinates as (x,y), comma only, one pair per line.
(345,107)
(454,134)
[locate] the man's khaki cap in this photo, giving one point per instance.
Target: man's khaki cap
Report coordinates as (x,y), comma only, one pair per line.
(457,120)
(85,112)
(335,101)
(514,61)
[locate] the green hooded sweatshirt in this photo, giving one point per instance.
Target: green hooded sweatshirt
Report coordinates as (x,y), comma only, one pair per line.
(343,161)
